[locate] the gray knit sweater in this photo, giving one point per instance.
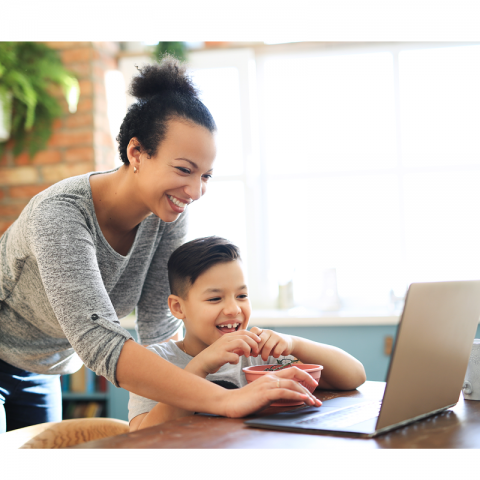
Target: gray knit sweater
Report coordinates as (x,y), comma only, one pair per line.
(63,287)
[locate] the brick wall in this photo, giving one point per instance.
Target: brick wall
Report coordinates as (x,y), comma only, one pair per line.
(80,143)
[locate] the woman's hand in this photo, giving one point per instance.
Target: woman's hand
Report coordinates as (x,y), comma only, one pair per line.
(143,372)
(273,343)
(281,385)
(226,349)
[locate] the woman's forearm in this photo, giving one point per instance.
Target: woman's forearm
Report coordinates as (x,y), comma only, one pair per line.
(143,372)
(161,413)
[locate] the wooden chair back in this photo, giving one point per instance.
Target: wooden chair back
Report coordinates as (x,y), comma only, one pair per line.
(66,433)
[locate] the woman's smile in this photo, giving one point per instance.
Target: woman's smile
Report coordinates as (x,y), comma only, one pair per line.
(178,173)
(177,205)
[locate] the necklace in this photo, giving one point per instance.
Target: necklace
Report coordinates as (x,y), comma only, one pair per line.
(183,348)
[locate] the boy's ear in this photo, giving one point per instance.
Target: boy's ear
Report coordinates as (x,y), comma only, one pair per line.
(175,306)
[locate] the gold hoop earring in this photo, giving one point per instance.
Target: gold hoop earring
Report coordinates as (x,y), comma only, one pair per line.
(134,169)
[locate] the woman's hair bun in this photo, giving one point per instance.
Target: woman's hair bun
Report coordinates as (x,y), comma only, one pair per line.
(170,75)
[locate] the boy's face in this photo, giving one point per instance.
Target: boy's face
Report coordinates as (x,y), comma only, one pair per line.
(216,304)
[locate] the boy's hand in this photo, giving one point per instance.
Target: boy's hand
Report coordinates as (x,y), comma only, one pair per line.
(273,343)
(227,349)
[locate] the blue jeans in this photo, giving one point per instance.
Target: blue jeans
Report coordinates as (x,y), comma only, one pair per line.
(28,398)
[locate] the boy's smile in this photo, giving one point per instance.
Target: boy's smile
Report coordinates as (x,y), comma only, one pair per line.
(228,328)
(216,304)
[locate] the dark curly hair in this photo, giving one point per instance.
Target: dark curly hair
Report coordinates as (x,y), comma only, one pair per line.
(193,258)
(164,92)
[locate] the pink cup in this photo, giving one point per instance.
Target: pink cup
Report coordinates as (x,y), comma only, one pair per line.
(252,373)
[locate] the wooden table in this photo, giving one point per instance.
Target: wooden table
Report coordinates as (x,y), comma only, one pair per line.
(458,427)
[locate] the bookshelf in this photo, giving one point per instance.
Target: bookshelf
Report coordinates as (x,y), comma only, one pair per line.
(86,394)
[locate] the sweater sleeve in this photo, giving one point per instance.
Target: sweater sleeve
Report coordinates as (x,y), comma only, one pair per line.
(155,323)
(61,239)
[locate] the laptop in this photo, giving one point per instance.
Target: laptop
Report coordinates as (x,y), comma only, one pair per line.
(426,372)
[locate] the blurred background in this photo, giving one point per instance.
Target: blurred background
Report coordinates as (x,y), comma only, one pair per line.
(345,171)
(361,159)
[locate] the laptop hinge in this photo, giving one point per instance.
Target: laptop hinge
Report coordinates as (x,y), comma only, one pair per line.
(411,420)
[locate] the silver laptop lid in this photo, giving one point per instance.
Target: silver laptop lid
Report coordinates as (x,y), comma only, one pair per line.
(431,351)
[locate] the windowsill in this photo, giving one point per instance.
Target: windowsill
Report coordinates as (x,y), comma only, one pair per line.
(304,317)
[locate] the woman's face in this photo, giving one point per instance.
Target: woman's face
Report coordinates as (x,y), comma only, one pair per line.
(178,173)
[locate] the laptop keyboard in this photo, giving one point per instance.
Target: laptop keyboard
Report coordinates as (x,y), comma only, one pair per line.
(344,417)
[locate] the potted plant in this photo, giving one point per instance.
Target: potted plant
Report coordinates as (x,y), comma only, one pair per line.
(28,71)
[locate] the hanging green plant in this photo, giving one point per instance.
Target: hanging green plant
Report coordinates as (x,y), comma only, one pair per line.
(28,71)
(176,49)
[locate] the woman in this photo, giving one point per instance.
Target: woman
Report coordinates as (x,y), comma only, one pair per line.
(90,249)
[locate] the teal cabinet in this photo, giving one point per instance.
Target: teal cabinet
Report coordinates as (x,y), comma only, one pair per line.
(118,397)
(117,402)
(367,343)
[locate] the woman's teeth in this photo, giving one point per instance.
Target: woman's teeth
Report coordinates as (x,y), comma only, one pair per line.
(177,202)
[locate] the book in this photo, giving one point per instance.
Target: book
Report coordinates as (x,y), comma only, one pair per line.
(78,381)
(79,410)
(102,384)
(65,382)
(89,381)
(68,411)
(92,409)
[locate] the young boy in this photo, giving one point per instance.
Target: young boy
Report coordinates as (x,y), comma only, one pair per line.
(210,295)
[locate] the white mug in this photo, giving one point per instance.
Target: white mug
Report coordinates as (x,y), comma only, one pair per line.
(471,385)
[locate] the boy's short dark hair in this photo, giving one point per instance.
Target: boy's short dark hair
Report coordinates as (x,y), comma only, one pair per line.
(193,258)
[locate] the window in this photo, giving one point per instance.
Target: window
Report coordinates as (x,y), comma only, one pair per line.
(360,157)
(225,84)
(329,134)
(440,122)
